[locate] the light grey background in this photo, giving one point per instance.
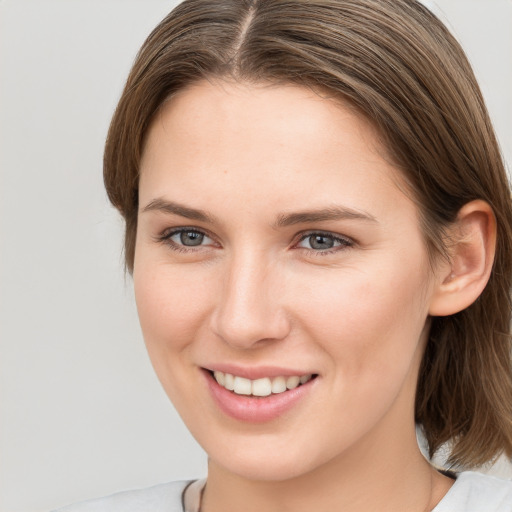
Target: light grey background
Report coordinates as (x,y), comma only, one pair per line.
(82,414)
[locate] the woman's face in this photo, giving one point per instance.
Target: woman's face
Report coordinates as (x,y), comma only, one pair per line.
(274,244)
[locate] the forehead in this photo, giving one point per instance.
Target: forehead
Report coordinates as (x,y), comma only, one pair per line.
(273,109)
(280,141)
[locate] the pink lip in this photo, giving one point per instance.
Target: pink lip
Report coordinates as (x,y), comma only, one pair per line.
(255,409)
(259,372)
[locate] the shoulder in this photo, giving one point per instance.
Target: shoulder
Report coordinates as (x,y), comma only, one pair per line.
(475,492)
(159,498)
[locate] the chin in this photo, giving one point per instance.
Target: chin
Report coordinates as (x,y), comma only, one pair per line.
(272,465)
(267,472)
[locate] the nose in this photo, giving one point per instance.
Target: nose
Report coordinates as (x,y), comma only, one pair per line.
(249,311)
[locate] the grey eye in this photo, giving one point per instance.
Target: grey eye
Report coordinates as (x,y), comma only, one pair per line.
(189,238)
(322,242)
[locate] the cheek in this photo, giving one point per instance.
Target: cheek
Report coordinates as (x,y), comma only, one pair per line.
(370,329)
(171,305)
(369,323)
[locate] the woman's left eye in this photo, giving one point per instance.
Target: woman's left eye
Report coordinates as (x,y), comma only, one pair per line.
(323,242)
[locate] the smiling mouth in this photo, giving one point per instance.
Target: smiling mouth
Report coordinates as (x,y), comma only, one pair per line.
(263,387)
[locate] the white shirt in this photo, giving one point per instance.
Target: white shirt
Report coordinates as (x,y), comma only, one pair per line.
(471,492)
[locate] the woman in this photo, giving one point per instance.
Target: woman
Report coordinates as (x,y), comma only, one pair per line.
(319,227)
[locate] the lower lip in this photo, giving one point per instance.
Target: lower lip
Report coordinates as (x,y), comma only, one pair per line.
(255,409)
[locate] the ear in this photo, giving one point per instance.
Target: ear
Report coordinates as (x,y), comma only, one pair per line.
(461,280)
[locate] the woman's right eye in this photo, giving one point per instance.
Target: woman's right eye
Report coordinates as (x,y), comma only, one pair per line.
(186,239)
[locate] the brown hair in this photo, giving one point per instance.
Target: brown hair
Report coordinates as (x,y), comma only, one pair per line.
(398,64)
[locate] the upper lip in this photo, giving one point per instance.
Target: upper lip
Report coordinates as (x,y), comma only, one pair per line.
(256,372)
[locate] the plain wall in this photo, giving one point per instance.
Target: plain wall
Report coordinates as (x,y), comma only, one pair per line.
(82,414)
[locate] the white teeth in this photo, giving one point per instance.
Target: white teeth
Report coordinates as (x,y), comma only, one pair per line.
(242,386)
(219,377)
(278,384)
(305,378)
(229,381)
(292,382)
(259,387)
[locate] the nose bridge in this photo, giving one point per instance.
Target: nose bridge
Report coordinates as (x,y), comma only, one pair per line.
(249,309)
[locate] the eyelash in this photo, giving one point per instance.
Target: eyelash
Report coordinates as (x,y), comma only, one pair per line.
(344,243)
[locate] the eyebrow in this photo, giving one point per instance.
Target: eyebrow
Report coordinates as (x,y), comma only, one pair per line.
(325,214)
(164,206)
(283,219)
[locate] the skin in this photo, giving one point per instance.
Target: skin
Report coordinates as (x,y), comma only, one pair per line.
(256,294)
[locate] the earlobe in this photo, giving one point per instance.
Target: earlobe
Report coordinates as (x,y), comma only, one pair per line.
(461,280)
